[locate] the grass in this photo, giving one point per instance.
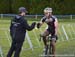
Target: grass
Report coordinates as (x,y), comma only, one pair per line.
(63,46)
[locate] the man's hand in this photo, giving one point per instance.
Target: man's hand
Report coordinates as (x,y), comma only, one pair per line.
(34,23)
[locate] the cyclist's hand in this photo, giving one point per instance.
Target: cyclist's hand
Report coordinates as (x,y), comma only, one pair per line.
(38,25)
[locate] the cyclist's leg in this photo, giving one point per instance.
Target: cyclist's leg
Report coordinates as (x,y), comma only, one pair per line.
(53,44)
(44,34)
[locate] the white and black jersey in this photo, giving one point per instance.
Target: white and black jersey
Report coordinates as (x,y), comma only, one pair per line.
(50,22)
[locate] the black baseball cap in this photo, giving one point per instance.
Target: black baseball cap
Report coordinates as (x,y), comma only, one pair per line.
(23,9)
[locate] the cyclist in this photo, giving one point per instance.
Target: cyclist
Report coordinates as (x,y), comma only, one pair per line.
(52,23)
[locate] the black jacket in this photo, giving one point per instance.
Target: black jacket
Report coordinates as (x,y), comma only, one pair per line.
(18,28)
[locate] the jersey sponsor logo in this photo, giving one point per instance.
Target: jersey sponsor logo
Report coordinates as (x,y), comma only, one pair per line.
(51,19)
(15,23)
(48,20)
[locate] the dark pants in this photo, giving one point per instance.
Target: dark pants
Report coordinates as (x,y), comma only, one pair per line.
(15,47)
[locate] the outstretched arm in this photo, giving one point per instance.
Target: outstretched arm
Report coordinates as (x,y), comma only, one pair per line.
(41,22)
(27,26)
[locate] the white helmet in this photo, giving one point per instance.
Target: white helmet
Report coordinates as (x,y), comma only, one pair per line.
(48,9)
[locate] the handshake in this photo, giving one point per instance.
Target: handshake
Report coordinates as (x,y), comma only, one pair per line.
(36,24)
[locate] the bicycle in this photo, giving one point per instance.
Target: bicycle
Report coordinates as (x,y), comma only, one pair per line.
(48,50)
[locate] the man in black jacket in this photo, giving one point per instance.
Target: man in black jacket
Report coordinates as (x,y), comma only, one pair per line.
(18,29)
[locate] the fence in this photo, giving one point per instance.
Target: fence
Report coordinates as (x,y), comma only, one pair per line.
(32,47)
(65,44)
(39,16)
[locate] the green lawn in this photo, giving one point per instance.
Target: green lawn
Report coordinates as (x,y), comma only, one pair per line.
(64,45)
